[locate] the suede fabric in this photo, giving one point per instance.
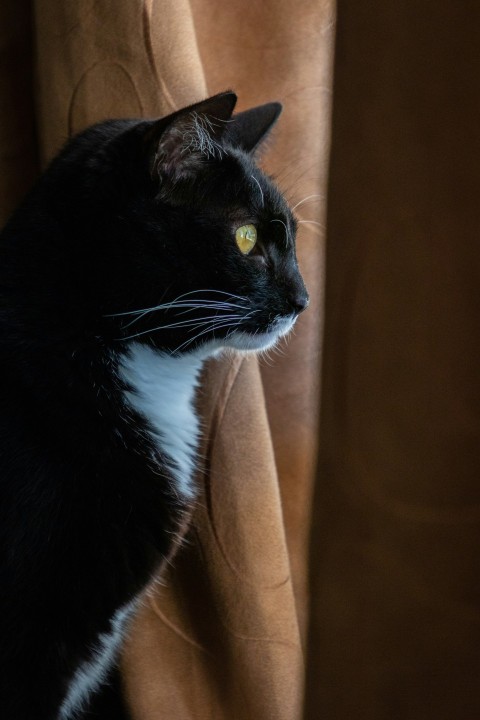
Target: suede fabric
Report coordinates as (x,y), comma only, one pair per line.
(219,636)
(394,627)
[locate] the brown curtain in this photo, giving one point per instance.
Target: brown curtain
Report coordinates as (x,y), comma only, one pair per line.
(393,626)
(220,636)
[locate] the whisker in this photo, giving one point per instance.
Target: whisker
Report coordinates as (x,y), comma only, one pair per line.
(176,300)
(301,177)
(216,326)
(210,290)
(311,222)
(290,167)
(261,191)
(220,306)
(213,305)
(185,323)
(309,197)
(286,231)
(212,328)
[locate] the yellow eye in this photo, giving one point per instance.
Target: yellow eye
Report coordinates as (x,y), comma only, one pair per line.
(246,238)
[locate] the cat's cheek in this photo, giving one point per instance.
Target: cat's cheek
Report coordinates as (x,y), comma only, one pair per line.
(258,259)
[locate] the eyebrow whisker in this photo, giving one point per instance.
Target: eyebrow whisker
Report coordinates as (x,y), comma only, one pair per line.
(309,197)
(311,222)
(286,230)
(259,187)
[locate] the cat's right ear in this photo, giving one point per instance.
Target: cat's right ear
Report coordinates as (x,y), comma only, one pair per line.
(181,142)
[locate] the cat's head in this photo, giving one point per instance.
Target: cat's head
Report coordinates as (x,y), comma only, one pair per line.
(171,235)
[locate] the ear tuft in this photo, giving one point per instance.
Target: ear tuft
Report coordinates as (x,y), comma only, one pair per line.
(181,142)
(248,129)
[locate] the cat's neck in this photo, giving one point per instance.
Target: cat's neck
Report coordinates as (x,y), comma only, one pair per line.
(161,389)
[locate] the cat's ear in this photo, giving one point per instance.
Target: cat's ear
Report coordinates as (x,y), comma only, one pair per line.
(248,129)
(179,143)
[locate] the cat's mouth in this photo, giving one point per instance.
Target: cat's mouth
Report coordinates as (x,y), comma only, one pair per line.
(255,341)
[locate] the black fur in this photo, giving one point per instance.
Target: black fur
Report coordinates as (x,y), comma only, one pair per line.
(130,215)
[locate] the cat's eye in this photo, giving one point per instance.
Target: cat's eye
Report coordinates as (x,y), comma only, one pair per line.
(246,238)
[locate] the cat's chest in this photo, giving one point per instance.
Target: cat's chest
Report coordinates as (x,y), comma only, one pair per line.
(161,390)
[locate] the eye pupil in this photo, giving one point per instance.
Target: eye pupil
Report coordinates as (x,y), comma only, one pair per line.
(246,238)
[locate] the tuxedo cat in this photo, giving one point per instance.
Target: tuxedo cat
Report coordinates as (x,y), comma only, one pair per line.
(145,248)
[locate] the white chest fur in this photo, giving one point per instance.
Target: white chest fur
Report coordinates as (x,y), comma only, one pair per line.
(162,390)
(92,672)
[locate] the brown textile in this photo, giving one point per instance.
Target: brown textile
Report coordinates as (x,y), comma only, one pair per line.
(219,637)
(394,616)
(395,575)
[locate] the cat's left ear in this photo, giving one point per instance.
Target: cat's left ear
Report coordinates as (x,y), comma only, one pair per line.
(248,129)
(181,142)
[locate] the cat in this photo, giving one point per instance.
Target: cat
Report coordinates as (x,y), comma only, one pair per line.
(145,248)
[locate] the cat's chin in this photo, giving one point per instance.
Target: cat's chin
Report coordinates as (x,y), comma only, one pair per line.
(248,342)
(257,342)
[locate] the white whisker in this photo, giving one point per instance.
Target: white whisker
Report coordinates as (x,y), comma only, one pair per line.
(213,306)
(211,328)
(261,191)
(311,222)
(205,305)
(176,300)
(309,197)
(185,324)
(286,231)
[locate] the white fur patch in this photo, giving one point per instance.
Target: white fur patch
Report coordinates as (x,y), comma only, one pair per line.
(163,389)
(92,673)
(248,342)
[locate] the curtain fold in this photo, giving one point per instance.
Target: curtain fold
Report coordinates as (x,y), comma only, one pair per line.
(281,50)
(220,636)
(374,570)
(111,59)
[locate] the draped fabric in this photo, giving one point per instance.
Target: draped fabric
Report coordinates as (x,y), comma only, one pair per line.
(358,572)
(220,635)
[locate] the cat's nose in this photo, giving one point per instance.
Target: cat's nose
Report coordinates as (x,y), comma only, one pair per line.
(299,300)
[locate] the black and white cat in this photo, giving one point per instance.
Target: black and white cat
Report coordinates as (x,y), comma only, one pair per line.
(145,248)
